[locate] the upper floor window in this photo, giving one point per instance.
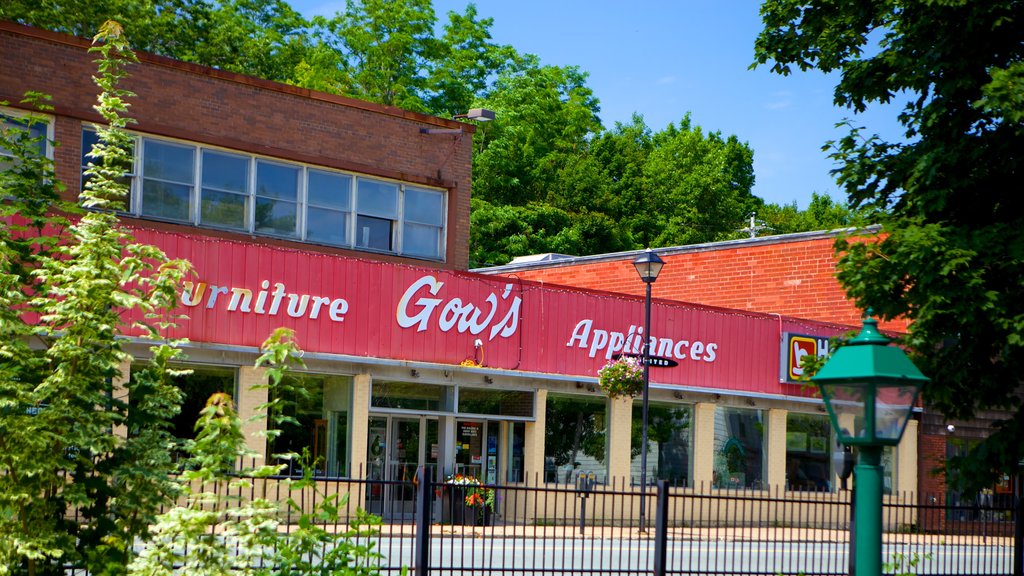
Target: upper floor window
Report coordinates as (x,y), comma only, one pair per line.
(210,187)
(31,130)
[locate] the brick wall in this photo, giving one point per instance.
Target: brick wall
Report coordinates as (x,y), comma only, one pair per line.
(180,100)
(788,275)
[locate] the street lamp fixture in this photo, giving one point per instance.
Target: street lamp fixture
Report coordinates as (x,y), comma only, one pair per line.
(870,390)
(478,114)
(648,265)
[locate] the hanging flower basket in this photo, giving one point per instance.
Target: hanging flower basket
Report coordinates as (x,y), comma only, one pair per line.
(622,377)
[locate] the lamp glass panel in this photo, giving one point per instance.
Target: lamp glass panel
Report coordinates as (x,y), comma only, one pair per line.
(892,410)
(845,404)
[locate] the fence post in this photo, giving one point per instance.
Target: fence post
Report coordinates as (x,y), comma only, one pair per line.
(661,529)
(853,531)
(1018,526)
(421,552)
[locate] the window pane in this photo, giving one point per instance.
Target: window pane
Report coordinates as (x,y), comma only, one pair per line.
(276,217)
(409,396)
(197,388)
(424,206)
(89,139)
(669,434)
(516,440)
(327,226)
(419,240)
(497,402)
(808,452)
(329,190)
(373,233)
(166,200)
(739,448)
(28,129)
(378,198)
(223,209)
(574,441)
(168,162)
(277,181)
(317,409)
(225,171)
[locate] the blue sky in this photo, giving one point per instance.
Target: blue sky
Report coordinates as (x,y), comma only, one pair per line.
(664,58)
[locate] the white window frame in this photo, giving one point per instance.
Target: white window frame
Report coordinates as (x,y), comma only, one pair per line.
(20,115)
(351,213)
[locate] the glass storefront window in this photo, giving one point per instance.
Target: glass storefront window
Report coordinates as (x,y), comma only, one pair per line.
(196,389)
(574,439)
(516,440)
(739,448)
(495,402)
(669,441)
(808,452)
(469,443)
(409,396)
(314,424)
(888,470)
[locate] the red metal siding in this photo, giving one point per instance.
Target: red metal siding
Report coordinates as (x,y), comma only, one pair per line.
(556,330)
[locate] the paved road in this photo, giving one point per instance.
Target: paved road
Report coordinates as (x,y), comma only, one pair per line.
(497,555)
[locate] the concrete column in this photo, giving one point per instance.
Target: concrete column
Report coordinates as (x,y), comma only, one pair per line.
(620,425)
(776,448)
(703,444)
(359,424)
(906,460)
(533,441)
(445,446)
(120,393)
(247,403)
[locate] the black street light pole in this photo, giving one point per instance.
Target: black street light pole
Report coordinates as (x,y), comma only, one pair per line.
(648,265)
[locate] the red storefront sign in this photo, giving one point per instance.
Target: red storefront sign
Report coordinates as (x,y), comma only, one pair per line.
(357,307)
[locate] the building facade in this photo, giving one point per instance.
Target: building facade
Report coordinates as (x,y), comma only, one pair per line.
(347,222)
(792,274)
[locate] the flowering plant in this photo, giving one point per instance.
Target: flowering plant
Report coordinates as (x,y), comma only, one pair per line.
(476,493)
(622,377)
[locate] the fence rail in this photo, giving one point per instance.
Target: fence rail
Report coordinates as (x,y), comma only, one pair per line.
(537,528)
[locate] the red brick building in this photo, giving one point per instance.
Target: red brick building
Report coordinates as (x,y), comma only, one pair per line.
(792,275)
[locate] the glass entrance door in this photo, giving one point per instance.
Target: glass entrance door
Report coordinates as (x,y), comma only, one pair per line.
(398,447)
(406,456)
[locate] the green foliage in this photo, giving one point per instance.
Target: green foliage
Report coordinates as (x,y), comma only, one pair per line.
(905,564)
(66,285)
(951,252)
(217,532)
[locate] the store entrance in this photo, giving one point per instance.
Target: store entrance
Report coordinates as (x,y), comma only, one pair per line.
(398,446)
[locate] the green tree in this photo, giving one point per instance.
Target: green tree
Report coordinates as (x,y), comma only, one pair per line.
(693,188)
(823,213)
(386,48)
(545,115)
(67,285)
(950,255)
(466,63)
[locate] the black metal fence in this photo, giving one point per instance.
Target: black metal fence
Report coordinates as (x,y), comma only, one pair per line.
(534,528)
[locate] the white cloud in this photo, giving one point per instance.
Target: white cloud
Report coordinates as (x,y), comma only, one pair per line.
(782,100)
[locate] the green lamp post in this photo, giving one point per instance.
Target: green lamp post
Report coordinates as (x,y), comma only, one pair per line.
(870,390)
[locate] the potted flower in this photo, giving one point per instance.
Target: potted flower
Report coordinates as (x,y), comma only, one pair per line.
(470,501)
(622,377)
